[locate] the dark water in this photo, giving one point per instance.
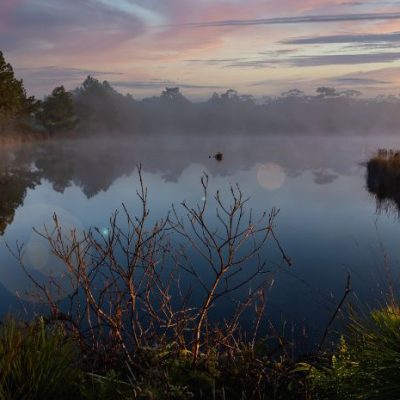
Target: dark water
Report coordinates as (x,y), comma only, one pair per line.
(328,223)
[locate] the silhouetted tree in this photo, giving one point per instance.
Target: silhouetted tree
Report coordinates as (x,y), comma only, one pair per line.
(57,111)
(293,93)
(351,93)
(174,95)
(14,104)
(100,108)
(327,92)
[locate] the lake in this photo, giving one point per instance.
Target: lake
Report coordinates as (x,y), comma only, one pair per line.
(329,223)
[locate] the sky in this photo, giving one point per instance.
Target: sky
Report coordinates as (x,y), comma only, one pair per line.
(259,47)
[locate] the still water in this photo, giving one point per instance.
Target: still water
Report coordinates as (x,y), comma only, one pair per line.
(329,223)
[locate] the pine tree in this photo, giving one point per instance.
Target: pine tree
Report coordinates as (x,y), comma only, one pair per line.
(14,104)
(58,112)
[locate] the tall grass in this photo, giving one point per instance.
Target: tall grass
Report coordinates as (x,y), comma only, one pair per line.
(37,362)
(366,364)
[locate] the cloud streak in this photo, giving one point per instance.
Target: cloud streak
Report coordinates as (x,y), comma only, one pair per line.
(321,60)
(298,20)
(393,37)
(75,26)
(160,84)
(54,72)
(360,81)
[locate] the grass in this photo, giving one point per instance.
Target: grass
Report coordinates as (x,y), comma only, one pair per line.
(41,362)
(36,362)
(366,364)
(387,156)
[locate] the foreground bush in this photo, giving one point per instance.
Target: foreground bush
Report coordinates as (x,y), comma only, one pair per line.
(367,363)
(40,362)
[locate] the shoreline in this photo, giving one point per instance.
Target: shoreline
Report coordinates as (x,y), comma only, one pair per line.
(10,140)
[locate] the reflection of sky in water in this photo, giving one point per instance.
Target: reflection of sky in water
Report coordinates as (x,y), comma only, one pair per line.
(326,222)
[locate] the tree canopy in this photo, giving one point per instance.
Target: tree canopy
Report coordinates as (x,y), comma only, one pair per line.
(57,111)
(13,99)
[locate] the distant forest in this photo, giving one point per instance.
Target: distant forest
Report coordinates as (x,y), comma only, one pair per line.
(96,108)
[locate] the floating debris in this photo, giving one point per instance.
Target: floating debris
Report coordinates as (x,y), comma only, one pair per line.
(218,156)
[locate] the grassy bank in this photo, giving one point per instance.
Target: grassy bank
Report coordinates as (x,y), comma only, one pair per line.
(42,361)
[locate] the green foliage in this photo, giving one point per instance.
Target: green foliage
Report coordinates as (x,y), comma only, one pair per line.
(14,104)
(107,386)
(36,363)
(99,106)
(167,373)
(40,362)
(367,363)
(57,113)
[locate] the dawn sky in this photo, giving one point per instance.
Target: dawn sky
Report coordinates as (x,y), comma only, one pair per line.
(257,47)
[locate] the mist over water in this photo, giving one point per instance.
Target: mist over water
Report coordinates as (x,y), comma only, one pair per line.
(99,108)
(328,223)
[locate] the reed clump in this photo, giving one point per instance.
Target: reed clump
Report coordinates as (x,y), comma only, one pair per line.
(383,178)
(389,157)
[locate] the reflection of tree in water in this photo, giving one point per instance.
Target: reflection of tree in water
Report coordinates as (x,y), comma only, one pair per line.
(57,169)
(14,184)
(94,165)
(324,177)
(92,170)
(383,181)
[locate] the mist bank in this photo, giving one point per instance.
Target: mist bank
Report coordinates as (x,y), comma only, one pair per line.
(101,109)
(96,108)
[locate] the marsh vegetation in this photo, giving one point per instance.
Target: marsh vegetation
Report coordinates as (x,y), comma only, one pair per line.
(383,178)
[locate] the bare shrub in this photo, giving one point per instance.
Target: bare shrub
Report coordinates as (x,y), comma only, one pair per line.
(146,284)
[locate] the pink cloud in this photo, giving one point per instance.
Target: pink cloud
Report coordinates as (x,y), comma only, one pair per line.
(88,33)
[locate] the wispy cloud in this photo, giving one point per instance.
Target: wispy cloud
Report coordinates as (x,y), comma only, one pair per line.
(43,80)
(160,84)
(298,20)
(61,73)
(146,39)
(360,81)
(343,39)
(343,59)
(76,25)
(216,61)
(321,60)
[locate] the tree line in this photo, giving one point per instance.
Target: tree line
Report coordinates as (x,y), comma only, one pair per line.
(97,108)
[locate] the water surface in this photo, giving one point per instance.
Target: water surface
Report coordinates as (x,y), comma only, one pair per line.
(328,223)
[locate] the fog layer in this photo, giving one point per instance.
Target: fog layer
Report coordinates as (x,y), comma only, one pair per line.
(101,109)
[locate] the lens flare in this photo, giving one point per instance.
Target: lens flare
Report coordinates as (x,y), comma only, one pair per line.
(271,176)
(37,257)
